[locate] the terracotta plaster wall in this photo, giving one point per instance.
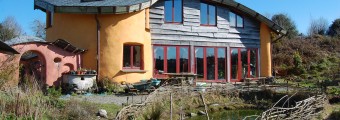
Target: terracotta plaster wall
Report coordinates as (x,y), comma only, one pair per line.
(116,30)
(265,36)
(80,31)
(53,71)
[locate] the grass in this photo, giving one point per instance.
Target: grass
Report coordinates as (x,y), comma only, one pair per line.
(186,103)
(28,102)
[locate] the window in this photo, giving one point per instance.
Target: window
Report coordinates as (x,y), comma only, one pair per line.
(171,59)
(173,11)
(208,14)
(132,58)
(243,63)
(210,63)
(235,20)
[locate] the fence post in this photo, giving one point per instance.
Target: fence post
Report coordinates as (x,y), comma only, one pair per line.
(170,106)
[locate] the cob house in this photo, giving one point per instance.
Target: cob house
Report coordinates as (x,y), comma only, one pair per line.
(130,40)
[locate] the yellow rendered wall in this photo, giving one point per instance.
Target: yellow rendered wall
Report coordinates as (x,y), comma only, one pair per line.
(265,36)
(116,30)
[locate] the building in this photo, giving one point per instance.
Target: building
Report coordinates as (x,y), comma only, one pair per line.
(36,58)
(130,40)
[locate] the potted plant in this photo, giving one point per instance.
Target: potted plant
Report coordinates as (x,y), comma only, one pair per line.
(72,72)
(79,71)
(83,71)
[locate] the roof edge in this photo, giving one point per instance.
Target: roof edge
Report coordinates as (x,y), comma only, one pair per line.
(43,5)
(272,25)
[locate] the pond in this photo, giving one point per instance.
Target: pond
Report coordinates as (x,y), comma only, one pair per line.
(229,115)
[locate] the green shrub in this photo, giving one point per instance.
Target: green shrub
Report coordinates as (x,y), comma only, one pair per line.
(333,90)
(54,92)
(109,86)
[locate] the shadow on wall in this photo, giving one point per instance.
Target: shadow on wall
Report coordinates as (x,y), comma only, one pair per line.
(32,65)
(64,69)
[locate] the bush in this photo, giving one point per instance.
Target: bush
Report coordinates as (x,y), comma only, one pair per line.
(76,110)
(108,86)
(333,90)
(54,92)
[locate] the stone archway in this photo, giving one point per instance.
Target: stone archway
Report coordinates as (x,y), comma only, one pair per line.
(32,69)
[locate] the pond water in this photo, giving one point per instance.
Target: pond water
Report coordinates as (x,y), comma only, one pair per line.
(229,115)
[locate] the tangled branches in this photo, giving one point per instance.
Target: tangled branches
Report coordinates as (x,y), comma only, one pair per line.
(305,109)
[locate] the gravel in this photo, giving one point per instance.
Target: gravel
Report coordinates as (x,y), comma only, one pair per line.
(123,99)
(107,99)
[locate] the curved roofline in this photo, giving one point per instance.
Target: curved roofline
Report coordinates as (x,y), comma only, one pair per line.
(93,9)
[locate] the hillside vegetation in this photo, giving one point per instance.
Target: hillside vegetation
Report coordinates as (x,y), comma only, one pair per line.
(314,57)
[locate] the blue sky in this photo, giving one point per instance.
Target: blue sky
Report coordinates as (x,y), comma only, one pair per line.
(300,11)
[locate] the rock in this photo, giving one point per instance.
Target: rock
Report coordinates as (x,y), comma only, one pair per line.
(201,112)
(193,114)
(214,105)
(102,113)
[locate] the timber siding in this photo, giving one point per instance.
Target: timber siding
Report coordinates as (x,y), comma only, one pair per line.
(190,32)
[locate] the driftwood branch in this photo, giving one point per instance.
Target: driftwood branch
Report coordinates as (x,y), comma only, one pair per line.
(205,106)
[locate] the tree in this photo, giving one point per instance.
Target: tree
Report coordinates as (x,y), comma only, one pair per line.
(9,29)
(38,27)
(318,27)
(286,23)
(334,30)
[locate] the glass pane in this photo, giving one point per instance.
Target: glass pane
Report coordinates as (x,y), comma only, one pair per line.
(168,10)
(199,62)
(127,56)
(171,59)
(136,56)
(234,63)
(239,21)
(184,59)
(212,15)
(204,12)
(253,63)
(221,63)
(210,64)
(178,10)
(244,60)
(232,19)
(159,58)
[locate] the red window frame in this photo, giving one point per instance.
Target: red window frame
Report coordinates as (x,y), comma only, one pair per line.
(208,17)
(165,53)
(216,64)
(239,64)
(173,13)
(141,67)
(236,25)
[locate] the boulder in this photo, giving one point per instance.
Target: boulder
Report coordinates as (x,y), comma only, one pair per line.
(192,114)
(102,113)
(214,105)
(200,112)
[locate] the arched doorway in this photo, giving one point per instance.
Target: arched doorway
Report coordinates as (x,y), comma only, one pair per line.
(32,70)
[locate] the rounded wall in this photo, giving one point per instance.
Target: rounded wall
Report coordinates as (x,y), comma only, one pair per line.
(116,30)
